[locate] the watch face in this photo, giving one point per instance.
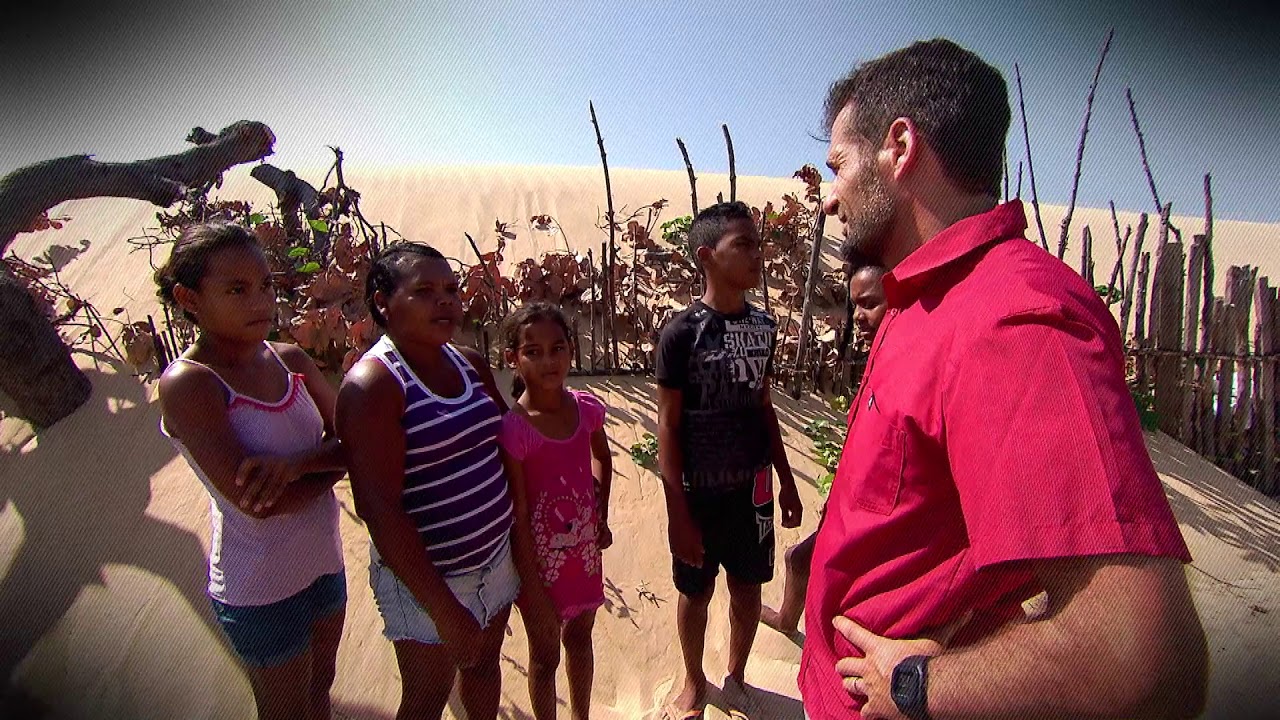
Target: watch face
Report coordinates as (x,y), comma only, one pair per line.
(904,685)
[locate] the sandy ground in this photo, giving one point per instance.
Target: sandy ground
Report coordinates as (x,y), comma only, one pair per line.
(103,528)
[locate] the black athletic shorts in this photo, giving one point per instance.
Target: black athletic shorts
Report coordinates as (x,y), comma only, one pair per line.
(737,533)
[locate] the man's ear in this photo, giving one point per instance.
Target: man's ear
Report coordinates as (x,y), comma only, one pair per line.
(704,253)
(901,148)
(186,298)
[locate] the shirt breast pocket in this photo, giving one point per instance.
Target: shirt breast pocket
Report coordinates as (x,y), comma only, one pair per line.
(878,462)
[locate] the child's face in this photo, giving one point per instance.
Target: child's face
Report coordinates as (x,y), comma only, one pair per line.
(542,358)
(867,293)
(235,298)
(425,306)
(737,259)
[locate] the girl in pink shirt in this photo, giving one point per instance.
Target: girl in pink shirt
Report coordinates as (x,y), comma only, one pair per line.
(557,459)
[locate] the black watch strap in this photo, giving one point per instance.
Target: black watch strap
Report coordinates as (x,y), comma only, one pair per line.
(909,687)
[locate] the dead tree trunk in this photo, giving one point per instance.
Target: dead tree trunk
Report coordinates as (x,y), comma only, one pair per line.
(36,369)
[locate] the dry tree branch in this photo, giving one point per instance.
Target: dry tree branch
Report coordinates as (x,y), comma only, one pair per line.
(1084,132)
(1026,136)
(733,170)
(693,179)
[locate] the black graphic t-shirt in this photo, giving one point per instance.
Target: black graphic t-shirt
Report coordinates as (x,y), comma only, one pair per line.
(720,364)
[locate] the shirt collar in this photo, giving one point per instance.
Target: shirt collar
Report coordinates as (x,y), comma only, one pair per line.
(904,283)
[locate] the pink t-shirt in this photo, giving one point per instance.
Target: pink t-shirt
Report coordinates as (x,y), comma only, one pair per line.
(563,511)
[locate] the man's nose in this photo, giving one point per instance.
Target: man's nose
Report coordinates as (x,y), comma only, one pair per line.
(830,204)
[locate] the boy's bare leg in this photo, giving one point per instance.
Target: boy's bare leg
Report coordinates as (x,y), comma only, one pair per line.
(691,622)
(744,616)
(798,557)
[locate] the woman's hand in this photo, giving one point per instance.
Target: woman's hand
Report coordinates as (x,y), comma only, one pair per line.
(264,480)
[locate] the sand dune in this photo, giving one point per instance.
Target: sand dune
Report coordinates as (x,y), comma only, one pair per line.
(103,529)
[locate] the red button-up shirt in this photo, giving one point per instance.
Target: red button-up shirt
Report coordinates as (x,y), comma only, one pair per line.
(993,424)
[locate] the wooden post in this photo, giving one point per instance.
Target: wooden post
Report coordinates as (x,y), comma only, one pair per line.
(1221,381)
(1194,369)
(595,300)
(1166,324)
(1086,255)
(1208,263)
(1241,298)
(613,303)
(1265,304)
(764,271)
(1139,327)
(1127,304)
(577,344)
(815,254)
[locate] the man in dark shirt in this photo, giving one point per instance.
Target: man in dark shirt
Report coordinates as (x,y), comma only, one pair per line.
(718,436)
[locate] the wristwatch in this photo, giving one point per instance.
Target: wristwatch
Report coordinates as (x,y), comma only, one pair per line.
(909,685)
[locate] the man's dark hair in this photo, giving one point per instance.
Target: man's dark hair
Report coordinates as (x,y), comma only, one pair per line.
(959,104)
(385,272)
(710,224)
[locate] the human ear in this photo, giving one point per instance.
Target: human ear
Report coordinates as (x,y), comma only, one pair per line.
(380,302)
(187,299)
(901,146)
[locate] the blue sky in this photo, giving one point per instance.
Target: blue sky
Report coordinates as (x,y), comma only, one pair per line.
(499,83)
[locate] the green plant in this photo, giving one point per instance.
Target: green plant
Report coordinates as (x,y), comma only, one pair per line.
(1145,401)
(676,230)
(840,404)
(645,451)
(826,449)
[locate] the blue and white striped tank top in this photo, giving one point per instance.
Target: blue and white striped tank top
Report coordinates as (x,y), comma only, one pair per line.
(455,490)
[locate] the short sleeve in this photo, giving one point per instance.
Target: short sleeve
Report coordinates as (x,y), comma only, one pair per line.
(1046,449)
(672,368)
(515,437)
(773,349)
(592,411)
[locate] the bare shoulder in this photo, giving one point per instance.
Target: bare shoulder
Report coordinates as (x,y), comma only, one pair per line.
(295,358)
(473,356)
(185,381)
(370,375)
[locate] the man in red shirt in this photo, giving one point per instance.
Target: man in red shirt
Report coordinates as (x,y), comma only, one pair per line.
(993,448)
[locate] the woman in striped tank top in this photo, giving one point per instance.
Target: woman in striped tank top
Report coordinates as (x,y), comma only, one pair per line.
(420,419)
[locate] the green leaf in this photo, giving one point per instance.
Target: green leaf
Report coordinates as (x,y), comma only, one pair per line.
(298,252)
(257,219)
(311,267)
(319,226)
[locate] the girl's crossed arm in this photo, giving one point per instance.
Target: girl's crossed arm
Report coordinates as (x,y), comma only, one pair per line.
(194,404)
(265,479)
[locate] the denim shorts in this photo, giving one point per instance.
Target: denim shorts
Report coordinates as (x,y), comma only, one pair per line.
(485,593)
(268,635)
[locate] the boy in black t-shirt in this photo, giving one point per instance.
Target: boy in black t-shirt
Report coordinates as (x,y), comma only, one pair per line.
(718,436)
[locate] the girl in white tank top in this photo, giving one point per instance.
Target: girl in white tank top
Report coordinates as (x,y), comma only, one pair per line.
(255,422)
